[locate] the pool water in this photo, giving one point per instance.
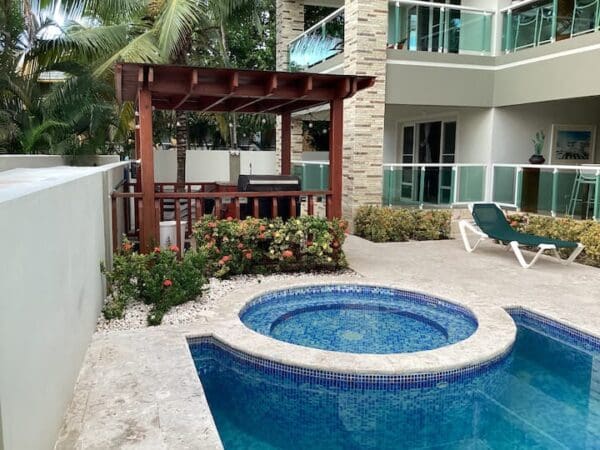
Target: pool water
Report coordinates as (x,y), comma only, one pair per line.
(545,395)
(359,319)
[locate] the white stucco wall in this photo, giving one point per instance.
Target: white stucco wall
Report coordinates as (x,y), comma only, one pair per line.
(54,232)
(207,166)
(496,135)
(474,130)
(258,163)
(515,126)
(8,162)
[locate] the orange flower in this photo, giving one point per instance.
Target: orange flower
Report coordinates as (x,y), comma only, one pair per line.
(229,218)
(127,246)
(212,225)
(248,255)
(167,283)
(156,249)
(224,259)
(287,254)
(174,248)
(262,228)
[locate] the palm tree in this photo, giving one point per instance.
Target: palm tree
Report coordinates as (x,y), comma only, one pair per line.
(154,31)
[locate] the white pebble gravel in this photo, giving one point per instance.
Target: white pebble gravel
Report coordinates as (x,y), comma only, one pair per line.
(136,314)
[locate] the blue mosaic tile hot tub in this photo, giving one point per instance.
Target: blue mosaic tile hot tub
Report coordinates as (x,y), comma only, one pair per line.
(359,319)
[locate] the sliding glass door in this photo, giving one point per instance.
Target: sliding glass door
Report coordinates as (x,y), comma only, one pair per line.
(427,143)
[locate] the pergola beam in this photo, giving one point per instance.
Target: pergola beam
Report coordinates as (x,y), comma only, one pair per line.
(193,84)
(234,84)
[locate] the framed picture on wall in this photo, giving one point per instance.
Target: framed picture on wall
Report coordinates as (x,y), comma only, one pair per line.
(573,144)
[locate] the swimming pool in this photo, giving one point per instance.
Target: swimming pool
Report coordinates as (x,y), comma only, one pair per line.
(359,319)
(545,394)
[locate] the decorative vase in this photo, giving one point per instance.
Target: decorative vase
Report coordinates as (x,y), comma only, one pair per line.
(537,159)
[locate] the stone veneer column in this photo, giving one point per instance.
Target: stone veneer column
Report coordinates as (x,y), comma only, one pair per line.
(364,54)
(290,24)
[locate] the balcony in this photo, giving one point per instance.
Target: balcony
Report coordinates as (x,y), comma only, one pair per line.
(533,23)
(321,42)
(556,190)
(439,27)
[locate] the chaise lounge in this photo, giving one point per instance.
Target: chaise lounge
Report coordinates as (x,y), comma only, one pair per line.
(489,222)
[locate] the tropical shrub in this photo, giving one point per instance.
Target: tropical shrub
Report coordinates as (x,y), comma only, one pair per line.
(585,231)
(381,224)
(159,279)
(233,247)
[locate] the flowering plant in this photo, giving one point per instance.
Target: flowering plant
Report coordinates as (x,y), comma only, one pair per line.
(160,279)
(261,246)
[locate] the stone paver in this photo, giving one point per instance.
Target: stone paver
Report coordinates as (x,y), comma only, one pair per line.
(491,275)
(139,389)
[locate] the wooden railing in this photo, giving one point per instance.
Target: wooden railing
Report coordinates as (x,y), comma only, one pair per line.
(189,204)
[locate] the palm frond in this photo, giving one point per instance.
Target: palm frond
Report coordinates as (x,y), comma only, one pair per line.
(142,49)
(175,24)
(85,43)
(34,137)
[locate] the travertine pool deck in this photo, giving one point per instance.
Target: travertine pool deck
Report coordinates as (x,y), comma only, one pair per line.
(139,389)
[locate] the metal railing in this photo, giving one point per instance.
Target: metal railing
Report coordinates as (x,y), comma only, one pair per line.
(531,23)
(431,185)
(440,27)
(318,43)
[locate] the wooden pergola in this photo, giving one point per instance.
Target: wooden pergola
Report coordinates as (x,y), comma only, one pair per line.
(168,87)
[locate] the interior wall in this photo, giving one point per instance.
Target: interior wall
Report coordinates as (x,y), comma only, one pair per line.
(473,129)
(515,126)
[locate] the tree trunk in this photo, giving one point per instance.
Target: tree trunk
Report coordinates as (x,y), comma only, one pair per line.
(181,135)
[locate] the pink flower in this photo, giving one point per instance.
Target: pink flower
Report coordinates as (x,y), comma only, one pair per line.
(167,283)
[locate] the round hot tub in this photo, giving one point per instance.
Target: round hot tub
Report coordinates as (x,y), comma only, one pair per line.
(359,319)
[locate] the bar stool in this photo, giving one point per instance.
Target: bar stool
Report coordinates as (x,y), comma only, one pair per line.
(584,177)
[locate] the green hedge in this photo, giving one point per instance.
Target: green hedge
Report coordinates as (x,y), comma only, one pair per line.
(234,247)
(379,224)
(585,231)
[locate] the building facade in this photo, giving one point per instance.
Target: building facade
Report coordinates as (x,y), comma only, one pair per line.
(466,92)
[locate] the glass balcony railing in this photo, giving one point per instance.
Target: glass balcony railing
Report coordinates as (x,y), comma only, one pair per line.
(314,174)
(320,42)
(430,185)
(531,23)
(439,27)
(572,191)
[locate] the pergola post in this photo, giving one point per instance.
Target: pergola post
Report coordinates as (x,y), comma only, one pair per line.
(336,145)
(286,143)
(148,223)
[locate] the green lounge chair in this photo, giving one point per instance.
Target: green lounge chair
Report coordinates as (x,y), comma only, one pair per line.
(489,222)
